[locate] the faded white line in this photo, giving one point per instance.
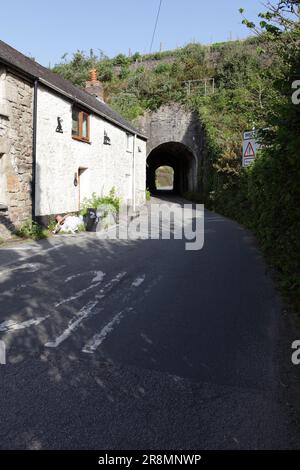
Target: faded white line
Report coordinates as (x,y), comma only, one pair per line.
(58,268)
(86,311)
(78,294)
(30,268)
(98,276)
(138,281)
(11,325)
(93,286)
(36,252)
(13,290)
(19,287)
(98,339)
(113,281)
(153,284)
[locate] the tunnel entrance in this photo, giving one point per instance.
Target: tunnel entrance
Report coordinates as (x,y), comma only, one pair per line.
(178,157)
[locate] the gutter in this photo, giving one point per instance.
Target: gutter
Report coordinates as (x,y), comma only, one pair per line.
(34,136)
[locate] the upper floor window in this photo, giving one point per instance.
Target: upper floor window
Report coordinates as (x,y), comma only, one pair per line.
(80,125)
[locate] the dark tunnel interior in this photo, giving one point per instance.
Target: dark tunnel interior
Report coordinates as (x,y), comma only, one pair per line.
(177,156)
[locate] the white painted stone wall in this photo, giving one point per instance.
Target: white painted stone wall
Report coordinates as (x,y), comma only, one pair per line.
(59,157)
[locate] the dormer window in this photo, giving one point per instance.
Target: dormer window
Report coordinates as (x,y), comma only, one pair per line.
(80,125)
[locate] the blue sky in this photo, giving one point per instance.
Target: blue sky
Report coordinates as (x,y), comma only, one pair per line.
(48,29)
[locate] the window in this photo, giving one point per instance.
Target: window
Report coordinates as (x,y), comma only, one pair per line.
(80,125)
(129,145)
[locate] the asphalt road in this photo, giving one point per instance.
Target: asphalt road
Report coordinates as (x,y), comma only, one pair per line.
(115,344)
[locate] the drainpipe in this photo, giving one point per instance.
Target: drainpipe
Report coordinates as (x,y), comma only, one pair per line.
(34,147)
(133,175)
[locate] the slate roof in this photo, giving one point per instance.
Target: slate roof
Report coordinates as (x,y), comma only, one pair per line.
(20,62)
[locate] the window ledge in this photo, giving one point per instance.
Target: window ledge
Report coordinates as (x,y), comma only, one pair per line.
(3,208)
(78,139)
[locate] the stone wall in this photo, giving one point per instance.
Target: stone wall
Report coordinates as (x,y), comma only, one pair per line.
(148,64)
(16,118)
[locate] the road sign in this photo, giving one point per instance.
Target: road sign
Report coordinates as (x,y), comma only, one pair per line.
(250,135)
(250,152)
(250,147)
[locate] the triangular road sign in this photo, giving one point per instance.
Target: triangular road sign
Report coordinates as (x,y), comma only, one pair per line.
(249,151)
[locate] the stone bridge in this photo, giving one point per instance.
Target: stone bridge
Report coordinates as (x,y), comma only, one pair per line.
(176,139)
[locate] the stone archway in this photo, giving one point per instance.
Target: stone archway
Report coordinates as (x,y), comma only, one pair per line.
(177,139)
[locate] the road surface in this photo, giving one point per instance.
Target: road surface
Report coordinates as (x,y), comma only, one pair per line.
(141,344)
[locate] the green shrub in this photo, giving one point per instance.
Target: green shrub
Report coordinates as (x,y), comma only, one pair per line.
(81,228)
(51,223)
(110,203)
(31,229)
(148,195)
(163,68)
(121,59)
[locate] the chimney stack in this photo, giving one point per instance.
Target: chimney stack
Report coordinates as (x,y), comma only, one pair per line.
(94,87)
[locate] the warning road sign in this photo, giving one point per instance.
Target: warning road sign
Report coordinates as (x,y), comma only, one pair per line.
(249,152)
(250,147)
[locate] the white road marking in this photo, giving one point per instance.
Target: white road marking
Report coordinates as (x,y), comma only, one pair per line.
(138,281)
(11,325)
(98,276)
(113,281)
(13,290)
(153,284)
(30,268)
(98,339)
(37,252)
(58,268)
(77,295)
(86,311)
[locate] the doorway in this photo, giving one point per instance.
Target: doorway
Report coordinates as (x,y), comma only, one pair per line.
(83,185)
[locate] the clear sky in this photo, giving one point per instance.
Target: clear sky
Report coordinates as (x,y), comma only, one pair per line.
(48,29)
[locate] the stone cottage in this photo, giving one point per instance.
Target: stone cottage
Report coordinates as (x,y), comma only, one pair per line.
(59,144)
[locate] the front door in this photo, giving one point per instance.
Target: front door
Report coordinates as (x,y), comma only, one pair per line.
(83,185)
